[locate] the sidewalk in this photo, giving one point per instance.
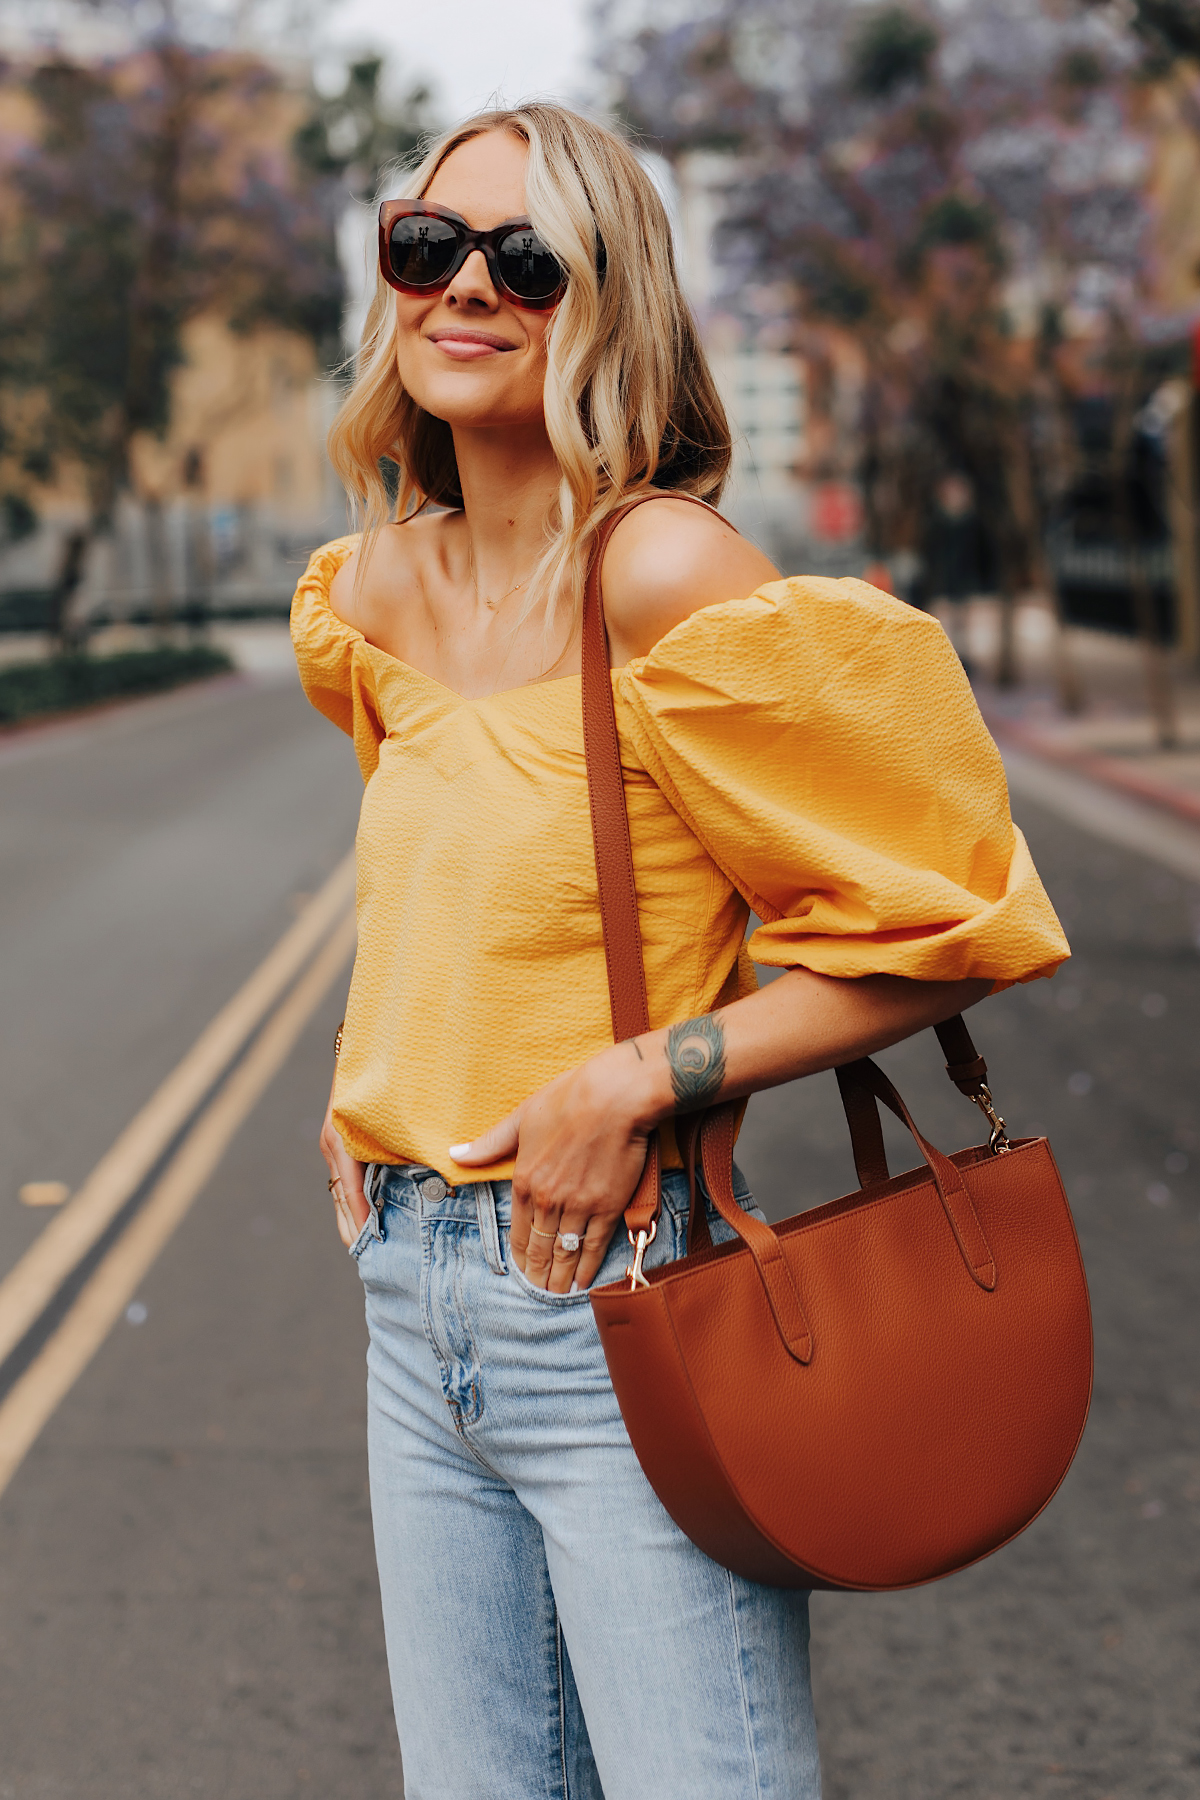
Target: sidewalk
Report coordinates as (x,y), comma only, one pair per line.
(257,646)
(1113,739)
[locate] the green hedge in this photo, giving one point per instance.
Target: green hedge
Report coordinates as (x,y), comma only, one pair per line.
(64,683)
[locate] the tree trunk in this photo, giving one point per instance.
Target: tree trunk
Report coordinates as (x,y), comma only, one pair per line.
(160,579)
(1022,502)
(1159,692)
(1008,673)
(63,629)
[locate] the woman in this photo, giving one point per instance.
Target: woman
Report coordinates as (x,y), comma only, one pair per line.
(806,748)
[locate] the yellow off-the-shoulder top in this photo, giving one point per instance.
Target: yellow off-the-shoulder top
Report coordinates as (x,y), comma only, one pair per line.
(813,752)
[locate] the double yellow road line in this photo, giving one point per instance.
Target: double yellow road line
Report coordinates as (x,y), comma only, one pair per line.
(205,1098)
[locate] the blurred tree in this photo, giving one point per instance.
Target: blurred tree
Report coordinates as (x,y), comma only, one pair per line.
(889,50)
(1168,30)
(937,183)
(155,191)
(353,137)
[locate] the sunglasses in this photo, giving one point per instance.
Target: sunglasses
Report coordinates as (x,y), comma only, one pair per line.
(422,247)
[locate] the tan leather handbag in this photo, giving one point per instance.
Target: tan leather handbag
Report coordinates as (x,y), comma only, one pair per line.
(874,1393)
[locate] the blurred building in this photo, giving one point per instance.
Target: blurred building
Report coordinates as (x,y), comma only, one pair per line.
(220,511)
(794,412)
(796,388)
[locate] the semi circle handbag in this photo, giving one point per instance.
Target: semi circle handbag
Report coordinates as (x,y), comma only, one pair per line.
(876,1392)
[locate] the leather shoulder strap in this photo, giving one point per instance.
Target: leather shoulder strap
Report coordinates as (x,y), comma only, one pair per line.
(606,793)
(618,899)
(964,1065)
(610,835)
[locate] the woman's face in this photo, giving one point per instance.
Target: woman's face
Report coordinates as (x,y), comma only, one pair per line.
(468,355)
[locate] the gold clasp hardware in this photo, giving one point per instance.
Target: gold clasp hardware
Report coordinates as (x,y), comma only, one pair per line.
(998,1143)
(641,1243)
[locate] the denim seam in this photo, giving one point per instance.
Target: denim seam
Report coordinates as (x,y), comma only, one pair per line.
(562,1704)
(473,1387)
(463,1433)
(741,1669)
(460,1430)
(369,1232)
(425,1229)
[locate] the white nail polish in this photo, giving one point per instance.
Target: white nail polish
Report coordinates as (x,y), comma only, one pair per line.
(574,1288)
(457,1150)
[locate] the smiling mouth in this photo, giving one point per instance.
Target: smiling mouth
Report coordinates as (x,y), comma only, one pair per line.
(460,339)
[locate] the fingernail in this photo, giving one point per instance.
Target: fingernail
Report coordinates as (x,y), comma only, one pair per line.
(574,1288)
(457,1150)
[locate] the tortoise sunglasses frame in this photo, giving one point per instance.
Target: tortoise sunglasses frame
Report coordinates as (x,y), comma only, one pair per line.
(468,240)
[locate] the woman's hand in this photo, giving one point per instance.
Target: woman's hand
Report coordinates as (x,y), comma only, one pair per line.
(580,1144)
(345,1180)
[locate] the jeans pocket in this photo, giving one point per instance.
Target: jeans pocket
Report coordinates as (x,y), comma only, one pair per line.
(543,1294)
(368,1235)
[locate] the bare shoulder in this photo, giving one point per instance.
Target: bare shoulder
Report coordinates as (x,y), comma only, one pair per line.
(393,563)
(664,562)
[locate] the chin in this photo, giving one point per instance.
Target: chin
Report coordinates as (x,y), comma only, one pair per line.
(473,405)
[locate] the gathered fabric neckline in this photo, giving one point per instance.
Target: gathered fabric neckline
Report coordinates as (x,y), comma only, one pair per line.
(408,668)
(634,666)
(398,662)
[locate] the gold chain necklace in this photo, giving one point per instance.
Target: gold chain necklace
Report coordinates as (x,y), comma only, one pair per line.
(495,605)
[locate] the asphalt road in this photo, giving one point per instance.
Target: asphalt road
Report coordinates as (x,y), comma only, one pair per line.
(149,858)
(187,1594)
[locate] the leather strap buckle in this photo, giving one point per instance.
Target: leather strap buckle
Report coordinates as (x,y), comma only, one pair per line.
(641,1243)
(998,1143)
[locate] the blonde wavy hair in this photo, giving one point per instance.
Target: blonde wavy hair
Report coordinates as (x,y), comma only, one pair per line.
(630,401)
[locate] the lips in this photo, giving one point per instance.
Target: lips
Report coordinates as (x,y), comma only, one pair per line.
(464,341)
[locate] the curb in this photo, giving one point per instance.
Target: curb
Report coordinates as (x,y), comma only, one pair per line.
(1103,769)
(20,731)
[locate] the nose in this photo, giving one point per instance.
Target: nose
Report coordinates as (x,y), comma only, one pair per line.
(472,286)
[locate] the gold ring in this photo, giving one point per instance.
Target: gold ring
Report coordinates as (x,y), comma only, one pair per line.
(545,1234)
(330,1182)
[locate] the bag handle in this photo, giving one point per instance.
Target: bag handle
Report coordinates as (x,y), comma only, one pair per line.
(868,1078)
(716,1148)
(966,1069)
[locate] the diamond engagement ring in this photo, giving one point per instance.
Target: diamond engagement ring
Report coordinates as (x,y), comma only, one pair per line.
(570,1241)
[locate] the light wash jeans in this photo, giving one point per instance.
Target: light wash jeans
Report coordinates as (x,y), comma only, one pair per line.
(551,1633)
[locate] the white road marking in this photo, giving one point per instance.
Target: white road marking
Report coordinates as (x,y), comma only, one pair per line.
(109,1290)
(1105,814)
(32,1283)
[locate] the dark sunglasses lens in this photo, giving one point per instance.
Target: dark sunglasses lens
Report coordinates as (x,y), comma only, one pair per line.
(527,267)
(421,250)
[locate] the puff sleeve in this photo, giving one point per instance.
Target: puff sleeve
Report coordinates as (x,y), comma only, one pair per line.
(335,668)
(823,744)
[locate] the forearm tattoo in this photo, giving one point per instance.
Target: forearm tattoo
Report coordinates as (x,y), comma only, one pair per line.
(696,1055)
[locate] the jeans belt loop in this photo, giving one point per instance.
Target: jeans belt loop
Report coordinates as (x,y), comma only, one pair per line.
(373,1195)
(489,1227)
